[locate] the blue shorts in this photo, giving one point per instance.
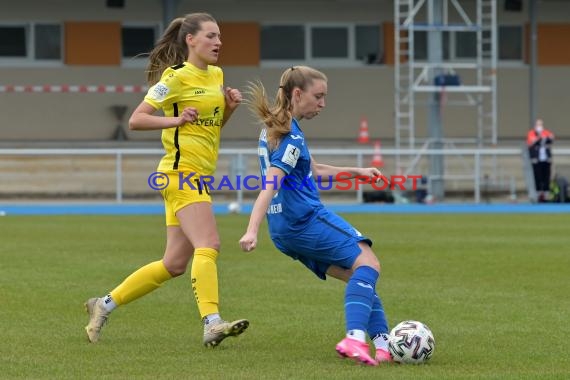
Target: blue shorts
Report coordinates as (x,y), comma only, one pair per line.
(327,240)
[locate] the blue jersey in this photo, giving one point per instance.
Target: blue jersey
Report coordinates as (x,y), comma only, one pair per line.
(297,200)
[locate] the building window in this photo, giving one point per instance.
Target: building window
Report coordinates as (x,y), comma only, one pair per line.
(462,45)
(329,42)
(138,41)
(510,43)
(321,44)
(13,41)
(25,44)
(465,45)
(47,41)
(283,42)
(421,45)
(368,39)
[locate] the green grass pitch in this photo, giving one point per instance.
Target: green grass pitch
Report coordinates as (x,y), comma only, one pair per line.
(494,289)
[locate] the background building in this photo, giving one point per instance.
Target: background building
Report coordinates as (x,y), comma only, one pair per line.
(95,42)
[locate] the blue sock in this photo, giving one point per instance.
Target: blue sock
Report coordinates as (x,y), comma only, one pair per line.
(358,298)
(377,323)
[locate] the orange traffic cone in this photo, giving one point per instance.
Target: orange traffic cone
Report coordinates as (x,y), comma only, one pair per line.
(363,137)
(377,160)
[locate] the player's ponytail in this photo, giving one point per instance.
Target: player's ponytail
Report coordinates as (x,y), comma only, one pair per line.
(277,118)
(171,48)
(166,52)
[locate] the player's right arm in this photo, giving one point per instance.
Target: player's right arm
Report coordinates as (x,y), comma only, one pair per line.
(248,242)
(143,118)
(161,96)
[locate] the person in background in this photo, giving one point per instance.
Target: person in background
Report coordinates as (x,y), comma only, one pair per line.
(539,141)
(190,91)
(300,225)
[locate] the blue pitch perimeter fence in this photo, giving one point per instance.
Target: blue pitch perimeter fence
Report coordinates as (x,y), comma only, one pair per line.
(158,209)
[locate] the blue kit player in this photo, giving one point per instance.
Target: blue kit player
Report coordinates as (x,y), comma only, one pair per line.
(299,224)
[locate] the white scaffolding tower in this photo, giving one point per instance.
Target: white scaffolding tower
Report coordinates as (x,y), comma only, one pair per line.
(413,76)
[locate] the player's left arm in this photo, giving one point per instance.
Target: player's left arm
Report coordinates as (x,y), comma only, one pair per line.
(329,171)
(233,99)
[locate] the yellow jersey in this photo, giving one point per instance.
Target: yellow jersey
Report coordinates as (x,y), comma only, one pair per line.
(191,147)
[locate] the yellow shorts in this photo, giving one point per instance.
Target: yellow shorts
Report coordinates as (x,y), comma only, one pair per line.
(179,194)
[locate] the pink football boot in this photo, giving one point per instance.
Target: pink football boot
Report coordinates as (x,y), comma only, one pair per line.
(355,350)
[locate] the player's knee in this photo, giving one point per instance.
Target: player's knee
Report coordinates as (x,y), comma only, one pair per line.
(367,258)
(176,270)
(372,261)
(375,264)
(210,244)
(368,261)
(176,267)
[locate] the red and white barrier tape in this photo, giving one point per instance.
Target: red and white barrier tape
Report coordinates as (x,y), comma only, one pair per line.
(93,89)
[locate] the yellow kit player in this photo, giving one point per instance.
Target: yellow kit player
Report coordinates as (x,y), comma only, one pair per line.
(189,90)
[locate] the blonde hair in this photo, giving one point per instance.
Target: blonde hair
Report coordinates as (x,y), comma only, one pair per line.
(277,117)
(171,48)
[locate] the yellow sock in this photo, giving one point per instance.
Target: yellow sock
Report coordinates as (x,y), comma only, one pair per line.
(141,282)
(204,277)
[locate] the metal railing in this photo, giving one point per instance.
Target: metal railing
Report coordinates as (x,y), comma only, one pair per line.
(239,161)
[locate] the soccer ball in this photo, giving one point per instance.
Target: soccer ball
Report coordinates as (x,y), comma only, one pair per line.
(234,207)
(411,342)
